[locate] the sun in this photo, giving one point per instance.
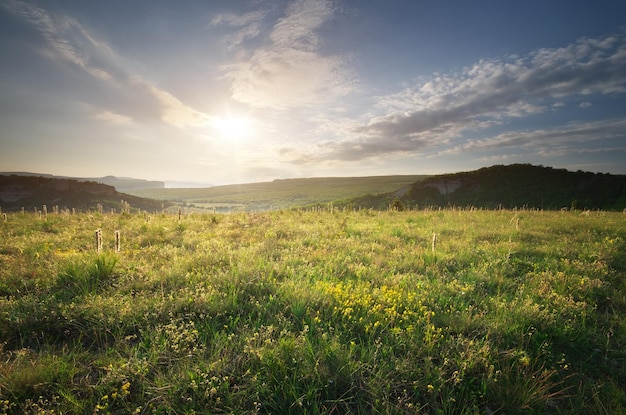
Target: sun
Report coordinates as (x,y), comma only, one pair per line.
(232,127)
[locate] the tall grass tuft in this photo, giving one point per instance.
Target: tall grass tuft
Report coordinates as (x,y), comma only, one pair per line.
(83,276)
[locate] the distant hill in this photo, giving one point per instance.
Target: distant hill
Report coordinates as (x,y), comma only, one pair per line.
(517,185)
(126,184)
(282,193)
(28,192)
(177,184)
(121,184)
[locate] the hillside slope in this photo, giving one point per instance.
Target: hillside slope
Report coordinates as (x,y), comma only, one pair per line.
(121,184)
(517,185)
(28,192)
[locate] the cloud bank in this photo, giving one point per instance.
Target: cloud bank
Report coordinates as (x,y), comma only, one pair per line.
(438,110)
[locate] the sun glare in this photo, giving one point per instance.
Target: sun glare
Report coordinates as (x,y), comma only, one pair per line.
(232,127)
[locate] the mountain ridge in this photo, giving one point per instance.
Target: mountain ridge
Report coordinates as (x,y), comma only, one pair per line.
(121,184)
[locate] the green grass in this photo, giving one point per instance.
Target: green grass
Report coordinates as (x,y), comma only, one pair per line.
(314,312)
(280,194)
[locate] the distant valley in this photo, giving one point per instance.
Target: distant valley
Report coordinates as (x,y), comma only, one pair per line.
(282,193)
(512,186)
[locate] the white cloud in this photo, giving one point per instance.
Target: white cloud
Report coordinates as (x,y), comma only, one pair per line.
(506,88)
(173,111)
(290,71)
(67,40)
(113,118)
(491,92)
(248,26)
(236,20)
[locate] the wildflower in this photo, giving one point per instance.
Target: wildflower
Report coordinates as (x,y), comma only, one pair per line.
(524,360)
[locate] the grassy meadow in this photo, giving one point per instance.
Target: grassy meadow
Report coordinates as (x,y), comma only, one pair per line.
(314,312)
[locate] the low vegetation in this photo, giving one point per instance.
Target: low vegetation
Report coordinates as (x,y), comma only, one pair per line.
(318,312)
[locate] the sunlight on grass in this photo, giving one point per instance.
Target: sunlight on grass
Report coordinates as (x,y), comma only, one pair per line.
(314,312)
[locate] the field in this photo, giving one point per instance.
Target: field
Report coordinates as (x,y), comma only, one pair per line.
(316,312)
(280,194)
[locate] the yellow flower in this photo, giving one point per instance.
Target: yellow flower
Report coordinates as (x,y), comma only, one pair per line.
(125,389)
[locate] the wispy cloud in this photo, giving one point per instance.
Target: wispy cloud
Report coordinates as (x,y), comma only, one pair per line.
(567,138)
(442,108)
(67,40)
(113,118)
(247,25)
(289,70)
(63,34)
(173,111)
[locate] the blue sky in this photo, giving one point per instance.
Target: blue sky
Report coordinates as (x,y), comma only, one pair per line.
(240,91)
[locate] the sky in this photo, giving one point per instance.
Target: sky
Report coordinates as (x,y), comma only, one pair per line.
(227,91)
